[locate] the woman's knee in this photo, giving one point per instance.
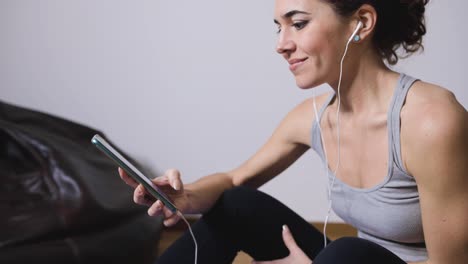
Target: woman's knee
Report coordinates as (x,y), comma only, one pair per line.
(234,202)
(241,206)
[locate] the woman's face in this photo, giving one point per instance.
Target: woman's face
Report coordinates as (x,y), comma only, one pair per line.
(312,38)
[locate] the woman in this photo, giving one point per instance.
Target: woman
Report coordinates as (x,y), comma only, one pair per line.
(397,149)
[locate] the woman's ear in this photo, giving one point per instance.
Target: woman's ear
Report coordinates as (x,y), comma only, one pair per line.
(367,15)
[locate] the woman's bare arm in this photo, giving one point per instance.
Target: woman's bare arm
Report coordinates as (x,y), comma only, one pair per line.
(287,143)
(435,133)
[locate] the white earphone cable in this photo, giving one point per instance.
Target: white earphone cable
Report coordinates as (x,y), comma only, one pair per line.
(332,183)
(191,233)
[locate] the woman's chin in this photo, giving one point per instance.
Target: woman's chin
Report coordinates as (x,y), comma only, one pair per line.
(304,85)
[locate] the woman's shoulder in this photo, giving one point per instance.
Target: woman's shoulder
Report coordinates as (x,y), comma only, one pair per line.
(297,124)
(309,105)
(432,119)
(427,102)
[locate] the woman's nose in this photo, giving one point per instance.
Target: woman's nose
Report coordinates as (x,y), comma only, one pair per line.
(284,44)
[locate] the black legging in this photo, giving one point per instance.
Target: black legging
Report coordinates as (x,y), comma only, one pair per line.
(248,220)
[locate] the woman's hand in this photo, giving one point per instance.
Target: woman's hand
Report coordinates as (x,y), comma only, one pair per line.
(296,255)
(171,184)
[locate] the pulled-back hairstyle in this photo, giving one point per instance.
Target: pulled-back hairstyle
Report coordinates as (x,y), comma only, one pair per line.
(400,23)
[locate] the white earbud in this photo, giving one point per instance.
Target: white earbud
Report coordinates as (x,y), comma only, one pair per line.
(354,36)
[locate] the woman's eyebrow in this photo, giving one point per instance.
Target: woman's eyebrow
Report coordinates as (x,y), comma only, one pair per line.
(291,14)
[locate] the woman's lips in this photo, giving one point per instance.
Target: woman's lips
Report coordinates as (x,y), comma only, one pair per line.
(295,63)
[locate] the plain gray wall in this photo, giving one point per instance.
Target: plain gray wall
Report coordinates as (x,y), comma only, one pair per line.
(193,85)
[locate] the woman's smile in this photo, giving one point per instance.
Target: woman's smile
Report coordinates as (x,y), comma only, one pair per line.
(296,63)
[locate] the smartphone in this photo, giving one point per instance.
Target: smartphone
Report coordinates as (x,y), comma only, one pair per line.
(132,171)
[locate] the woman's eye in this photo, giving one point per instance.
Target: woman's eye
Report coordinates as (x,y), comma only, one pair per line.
(296,25)
(278,30)
(300,25)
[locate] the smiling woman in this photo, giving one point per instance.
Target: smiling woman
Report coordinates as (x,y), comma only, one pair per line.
(374,132)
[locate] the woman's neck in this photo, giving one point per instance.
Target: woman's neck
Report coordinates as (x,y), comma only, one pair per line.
(366,86)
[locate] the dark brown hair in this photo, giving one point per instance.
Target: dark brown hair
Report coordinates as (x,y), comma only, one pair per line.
(400,23)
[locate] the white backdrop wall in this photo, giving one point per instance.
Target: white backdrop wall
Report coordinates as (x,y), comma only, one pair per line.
(193,85)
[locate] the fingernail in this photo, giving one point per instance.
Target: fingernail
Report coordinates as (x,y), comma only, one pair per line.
(285,227)
(176,186)
(150,211)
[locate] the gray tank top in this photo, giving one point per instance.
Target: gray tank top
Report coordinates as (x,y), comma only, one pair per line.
(389,213)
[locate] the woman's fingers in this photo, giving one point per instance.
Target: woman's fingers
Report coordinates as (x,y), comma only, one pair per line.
(170,217)
(289,239)
(174,179)
(127,179)
(140,196)
(158,208)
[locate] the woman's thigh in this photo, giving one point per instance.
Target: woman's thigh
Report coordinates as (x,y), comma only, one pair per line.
(353,250)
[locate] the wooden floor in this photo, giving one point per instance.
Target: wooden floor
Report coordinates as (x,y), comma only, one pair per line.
(169,235)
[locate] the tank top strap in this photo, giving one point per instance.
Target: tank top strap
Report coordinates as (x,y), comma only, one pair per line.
(401,90)
(325,105)
(315,135)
